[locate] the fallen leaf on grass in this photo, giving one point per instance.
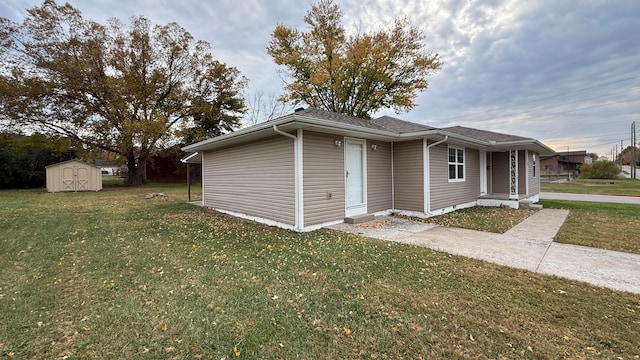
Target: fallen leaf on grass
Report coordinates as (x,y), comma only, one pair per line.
(165,327)
(236,352)
(347,330)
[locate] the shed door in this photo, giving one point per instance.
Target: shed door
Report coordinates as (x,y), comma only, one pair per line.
(68,178)
(82,179)
(355,171)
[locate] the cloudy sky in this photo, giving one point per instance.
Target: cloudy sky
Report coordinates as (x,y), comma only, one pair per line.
(566,72)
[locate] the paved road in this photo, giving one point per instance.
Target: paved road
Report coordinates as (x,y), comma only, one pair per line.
(593,198)
(528,245)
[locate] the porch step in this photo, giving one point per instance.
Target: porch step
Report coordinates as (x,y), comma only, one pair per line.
(359,219)
(528,205)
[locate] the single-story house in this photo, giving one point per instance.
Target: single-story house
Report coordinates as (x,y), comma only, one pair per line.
(314,168)
(73,175)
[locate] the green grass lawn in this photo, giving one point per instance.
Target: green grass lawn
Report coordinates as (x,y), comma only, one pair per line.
(481,218)
(112,275)
(601,225)
(599,187)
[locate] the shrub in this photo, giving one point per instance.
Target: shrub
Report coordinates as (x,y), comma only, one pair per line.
(24,158)
(600,170)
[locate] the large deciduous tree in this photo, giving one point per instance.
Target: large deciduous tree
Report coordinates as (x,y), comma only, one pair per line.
(126,88)
(355,75)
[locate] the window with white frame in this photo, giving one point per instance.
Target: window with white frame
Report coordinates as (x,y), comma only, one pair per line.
(456,164)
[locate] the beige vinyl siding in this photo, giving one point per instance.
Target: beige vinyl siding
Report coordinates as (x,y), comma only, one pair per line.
(444,193)
(522,172)
(500,172)
(408,170)
(534,181)
(378,176)
(255,179)
(323,173)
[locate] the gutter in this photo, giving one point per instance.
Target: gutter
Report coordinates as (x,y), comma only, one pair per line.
(298,120)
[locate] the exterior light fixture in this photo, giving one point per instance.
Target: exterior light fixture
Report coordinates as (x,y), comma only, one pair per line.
(374,146)
(338,143)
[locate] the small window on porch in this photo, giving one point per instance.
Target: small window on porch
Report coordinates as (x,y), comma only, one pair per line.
(456,164)
(534,165)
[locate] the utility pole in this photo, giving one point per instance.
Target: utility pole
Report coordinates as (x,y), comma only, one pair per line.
(621,151)
(633,150)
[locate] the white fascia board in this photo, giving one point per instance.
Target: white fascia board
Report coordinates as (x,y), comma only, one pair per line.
(189,157)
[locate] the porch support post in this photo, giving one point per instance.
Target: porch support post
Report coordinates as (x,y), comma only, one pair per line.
(513,174)
(527,167)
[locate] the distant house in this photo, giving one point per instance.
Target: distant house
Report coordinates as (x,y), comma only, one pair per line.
(314,168)
(566,163)
(73,175)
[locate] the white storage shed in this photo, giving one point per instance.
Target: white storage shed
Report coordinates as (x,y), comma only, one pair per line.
(73,175)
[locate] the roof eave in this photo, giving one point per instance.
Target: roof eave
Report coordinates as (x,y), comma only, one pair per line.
(203,145)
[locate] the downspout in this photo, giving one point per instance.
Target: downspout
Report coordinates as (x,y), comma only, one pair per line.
(446,137)
(278,131)
(393,185)
(427,173)
(297,155)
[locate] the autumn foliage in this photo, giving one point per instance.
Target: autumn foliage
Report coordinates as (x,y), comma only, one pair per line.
(352,74)
(130,89)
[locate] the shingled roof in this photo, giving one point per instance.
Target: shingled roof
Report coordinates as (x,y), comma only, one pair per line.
(484,135)
(339,118)
(386,123)
(386,128)
(400,126)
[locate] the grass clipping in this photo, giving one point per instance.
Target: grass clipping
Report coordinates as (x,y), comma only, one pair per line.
(495,220)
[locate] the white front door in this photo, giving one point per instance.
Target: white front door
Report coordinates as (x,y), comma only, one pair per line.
(483,173)
(355,175)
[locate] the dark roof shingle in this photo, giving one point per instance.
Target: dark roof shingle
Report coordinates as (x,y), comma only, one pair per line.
(483,135)
(386,123)
(400,126)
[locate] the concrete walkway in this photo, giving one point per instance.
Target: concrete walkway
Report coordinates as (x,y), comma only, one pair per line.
(592,198)
(528,245)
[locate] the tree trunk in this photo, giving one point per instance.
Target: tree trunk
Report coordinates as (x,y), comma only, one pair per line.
(131,166)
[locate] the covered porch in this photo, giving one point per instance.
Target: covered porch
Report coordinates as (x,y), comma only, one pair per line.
(509,178)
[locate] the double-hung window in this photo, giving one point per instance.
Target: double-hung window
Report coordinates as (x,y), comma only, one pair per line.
(456,164)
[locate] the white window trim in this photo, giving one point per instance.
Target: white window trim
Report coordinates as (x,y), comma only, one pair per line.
(464,164)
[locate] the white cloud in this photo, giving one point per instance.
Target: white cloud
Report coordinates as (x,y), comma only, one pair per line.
(497,53)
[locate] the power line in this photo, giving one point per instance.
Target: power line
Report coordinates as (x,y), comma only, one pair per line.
(541,99)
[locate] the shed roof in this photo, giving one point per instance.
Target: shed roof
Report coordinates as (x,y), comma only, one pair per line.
(70,161)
